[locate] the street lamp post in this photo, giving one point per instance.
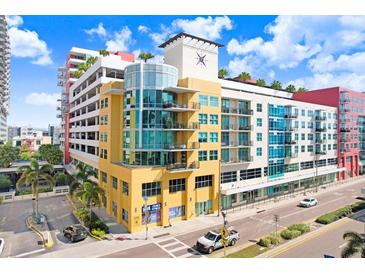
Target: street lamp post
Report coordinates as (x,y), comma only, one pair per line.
(219,188)
(146,214)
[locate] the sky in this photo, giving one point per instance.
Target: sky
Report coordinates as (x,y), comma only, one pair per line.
(307,51)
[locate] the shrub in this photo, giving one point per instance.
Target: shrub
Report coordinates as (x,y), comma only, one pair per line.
(1,199)
(288,234)
(274,238)
(335,215)
(265,242)
(303,228)
(98,233)
(358,206)
(84,215)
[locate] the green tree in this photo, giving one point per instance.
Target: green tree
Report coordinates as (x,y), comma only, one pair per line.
(62,179)
(77,74)
(261,82)
(91,61)
(84,172)
(89,194)
(103,52)
(5,181)
(276,85)
(145,56)
(8,155)
(25,156)
(51,154)
(244,76)
(222,73)
(301,89)
(31,175)
(290,88)
(36,155)
(355,245)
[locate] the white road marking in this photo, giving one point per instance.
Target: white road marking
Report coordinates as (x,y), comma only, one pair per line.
(177,249)
(343,245)
(30,252)
(183,246)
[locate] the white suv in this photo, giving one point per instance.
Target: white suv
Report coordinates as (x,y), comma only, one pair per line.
(308,202)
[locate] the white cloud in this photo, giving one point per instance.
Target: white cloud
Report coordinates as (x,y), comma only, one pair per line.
(42,99)
(143,29)
(26,44)
(14,20)
(205,27)
(121,40)
(99,31)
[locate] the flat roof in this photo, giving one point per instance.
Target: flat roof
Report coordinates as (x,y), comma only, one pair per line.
(184,34)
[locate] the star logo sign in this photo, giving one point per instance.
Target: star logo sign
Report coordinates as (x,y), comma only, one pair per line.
(201,59)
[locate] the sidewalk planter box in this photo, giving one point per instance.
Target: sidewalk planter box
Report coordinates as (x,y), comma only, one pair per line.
(334,215)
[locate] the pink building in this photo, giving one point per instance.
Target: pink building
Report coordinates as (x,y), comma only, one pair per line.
(351,122)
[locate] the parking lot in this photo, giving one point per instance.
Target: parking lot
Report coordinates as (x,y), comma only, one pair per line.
(20,241)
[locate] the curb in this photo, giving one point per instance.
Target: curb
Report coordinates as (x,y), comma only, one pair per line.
(47,242)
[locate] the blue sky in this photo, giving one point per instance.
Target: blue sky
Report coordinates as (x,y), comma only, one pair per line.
(309,51)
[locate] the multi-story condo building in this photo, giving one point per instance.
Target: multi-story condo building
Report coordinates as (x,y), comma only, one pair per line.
(351,121)
(172,141)
(13,131)
(4,78)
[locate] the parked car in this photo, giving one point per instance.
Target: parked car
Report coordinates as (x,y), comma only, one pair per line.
(75,233)
(2,244)
(212,240)
(308,202)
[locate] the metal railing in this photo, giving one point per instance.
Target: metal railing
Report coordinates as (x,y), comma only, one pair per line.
(182,166)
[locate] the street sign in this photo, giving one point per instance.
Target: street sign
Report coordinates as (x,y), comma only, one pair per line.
(276,218)
(224,233)
(224,242)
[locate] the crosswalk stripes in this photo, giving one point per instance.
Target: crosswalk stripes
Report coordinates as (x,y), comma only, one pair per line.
(177,249)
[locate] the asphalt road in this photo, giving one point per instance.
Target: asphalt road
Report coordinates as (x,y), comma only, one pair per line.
(254,227)
(20,241)
(328,243)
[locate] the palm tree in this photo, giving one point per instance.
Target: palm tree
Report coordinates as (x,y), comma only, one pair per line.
(290,88)
(301,89)
(355,244)
(31,175)
(222,73)
(90,195)
(91,61)
(103,52)
(145,56)
(276,85)
(84,172)
(261,82)
(244,76)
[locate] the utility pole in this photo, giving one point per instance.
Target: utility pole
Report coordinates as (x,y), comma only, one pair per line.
(219,188)
(276,220)
(146,215)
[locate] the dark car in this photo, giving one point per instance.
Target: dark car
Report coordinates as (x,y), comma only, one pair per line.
(75,233)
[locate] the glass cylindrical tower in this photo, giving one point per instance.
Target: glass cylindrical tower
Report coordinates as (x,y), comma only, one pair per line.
(146,119)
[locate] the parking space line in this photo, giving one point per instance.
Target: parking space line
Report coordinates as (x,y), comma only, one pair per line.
(30,253)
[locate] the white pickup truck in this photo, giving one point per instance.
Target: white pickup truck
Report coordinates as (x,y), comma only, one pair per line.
(212,240)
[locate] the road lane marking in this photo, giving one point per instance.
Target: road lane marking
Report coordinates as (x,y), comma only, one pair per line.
(183,246)
(343,245)
(30,253)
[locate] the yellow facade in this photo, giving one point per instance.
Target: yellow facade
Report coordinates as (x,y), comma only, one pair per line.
(135,176)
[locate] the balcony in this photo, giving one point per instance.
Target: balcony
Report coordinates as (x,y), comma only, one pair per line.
(320,118)
(181,107)
(320,152)
(182,167)
(290,155)
(233,161)
(245,143)
(291,128)
(237,111)
(181,147)
(290,142)
(180,126)
(320,141)
(345,130)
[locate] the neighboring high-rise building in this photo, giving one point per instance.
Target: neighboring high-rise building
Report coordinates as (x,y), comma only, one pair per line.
(351,120)
(4,78)
(54,133)
(13,131)
(175,141)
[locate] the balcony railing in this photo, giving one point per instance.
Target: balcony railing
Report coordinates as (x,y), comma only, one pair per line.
(291,128)
(193,145)
(290,142)
(237,111)
(291,115)
(345,130)
(320,152)
(320,141)
(320,118)
(246,159)
(320,129)
(176,167)
(290,155)
(174,125)
(247,143)
(237,127)
(172,105)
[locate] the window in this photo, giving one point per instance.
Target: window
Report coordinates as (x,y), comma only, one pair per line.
(259,151)
(329,146)
(228,177)
(124,215)
(203,100)
(302,148)
(213,137)
(203,118)
(103,177)
(258,137)
(296,136)
(310,137)
(306,165)
(246,174)
(103,137)
(125,188)
(151,189)
(177,185)
(203,155)
(303,137)
(114,182)
(259,122)
(213,155)
(104,120)
(310,148)
(203,137)
(303,124)
(214,101)
(303,112)
(334,146)
(214,119)
(203,181)
(259,107)
(103,154)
